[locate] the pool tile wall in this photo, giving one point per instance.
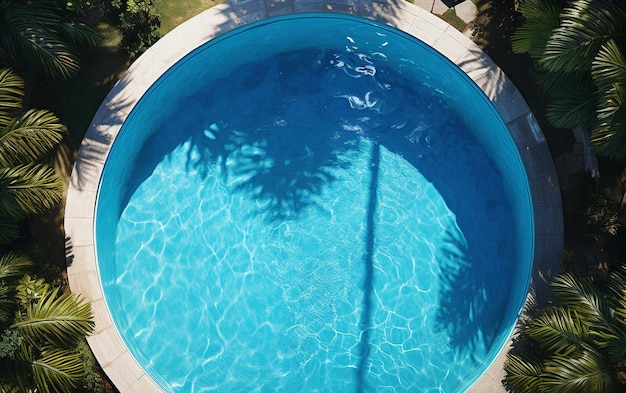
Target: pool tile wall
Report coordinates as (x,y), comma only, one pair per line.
(106,343)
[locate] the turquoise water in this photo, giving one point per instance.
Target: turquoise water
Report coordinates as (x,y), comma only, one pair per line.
(314,204)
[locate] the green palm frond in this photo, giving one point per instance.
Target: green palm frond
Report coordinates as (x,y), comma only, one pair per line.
(585,26)
(608,71)
(609,66)
(33,188)
(13,265)
(9,225)
(36,49)
(38,37)
(523,374)
(616,282)
(584,372)
(554,82)
(11,95)
(16,371)
(541,17)
(582,296)
(574,105)
(7,305)
(608,132)
(617,346)
(30,137)
(559,331)
(27,40)
(58,370)
(79,34)
(46,369)
(62,321)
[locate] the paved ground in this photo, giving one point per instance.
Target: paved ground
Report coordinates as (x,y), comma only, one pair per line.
(464,9)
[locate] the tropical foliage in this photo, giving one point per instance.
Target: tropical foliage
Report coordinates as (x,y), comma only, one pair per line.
(580,51)
(140,25)
(578,345)
(28,182)
(40,37)
(41,329)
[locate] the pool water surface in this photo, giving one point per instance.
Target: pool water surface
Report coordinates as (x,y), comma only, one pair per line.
(323,216)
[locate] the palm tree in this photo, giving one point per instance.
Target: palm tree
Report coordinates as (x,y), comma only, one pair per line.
(578,345)
(40,333)
(40,38)
(28,183)
(580,50)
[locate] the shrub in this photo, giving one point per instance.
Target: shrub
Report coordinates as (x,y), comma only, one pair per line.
(140,25)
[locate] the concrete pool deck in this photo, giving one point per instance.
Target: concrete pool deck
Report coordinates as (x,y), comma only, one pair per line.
(83,276)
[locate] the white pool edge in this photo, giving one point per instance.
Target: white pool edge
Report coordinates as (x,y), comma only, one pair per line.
(106,343)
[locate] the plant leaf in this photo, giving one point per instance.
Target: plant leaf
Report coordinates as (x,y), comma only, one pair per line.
(33,46)
(29,189)
(559,331)
(584,372)
(523,374)
(582,296)
(541,18)
(61,321)
(585,26)
(9,226)
(11,95)
(30,137)
(58,370)
(13,265)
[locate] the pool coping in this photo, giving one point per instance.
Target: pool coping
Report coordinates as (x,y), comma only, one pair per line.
(106,343)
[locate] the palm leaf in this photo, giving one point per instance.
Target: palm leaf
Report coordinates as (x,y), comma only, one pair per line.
(9,225)
(13,265)
(559,331)
(541,17)
(33,188)
(585,26)
(609,128)
(7,304)
(574,105)
(616,282)
(79,34)
(30,137)
(582,296)
(554,82)
(16,372)
(44,369)
(61,321)
(36,49)
(38,37)
(11,95)
(523,374)
(58,370)
(609,66)
(585,372)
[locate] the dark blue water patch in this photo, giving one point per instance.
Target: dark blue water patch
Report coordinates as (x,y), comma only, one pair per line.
(280,134)
(317,211)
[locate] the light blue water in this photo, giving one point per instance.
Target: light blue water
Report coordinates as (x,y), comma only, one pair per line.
(316,217)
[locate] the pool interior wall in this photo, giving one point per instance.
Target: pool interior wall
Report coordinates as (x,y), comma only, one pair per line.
(77,187)
(284,34)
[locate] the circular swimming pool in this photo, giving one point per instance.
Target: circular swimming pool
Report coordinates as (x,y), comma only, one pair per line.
(314,203)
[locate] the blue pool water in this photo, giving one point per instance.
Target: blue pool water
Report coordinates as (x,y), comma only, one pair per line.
(314,204)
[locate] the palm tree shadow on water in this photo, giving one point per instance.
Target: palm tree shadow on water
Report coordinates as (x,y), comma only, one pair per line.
(368,264)
(286,173)
(475,258)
